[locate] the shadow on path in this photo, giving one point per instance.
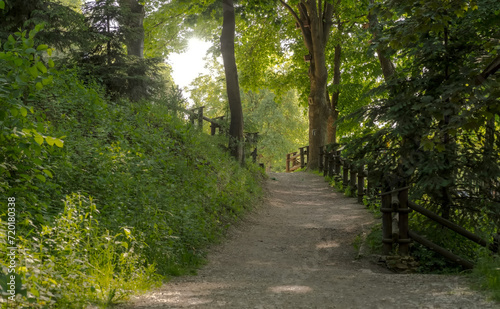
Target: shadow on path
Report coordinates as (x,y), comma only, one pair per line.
(296,252)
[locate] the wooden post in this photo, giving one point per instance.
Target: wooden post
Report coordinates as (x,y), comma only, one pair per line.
(345,171)
(302,162)
(330,164)
(307,155)
(361,184)
(338,163)
(369,186)
(321,154)
(404,239)
(386,210)
(353,179)
(200,117)
(254,155)
(288,163)
(325,167)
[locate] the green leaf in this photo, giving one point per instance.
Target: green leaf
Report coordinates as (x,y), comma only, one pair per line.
(39,139)
(50,140)
(41,67)
(2,5)
(42,47)
(30,50)
(24,111)
(48,173)
(59,143)
(41,177)
(39,86)
(51,63)
(33,71)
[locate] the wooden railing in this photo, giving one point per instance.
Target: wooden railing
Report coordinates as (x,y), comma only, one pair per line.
(196,115)
(395,208)
(296,160)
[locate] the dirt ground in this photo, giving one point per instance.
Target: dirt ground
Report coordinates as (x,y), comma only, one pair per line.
(295,251)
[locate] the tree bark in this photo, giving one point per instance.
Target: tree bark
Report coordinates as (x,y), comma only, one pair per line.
(387,66)
(232,84)
(332,128)
(315,20)
(133,22)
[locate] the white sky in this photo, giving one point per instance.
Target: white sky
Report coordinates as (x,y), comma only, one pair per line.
(187,66)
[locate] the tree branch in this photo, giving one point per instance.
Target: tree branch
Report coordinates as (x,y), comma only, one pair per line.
(327,20)
(492,68)
(294,14)
(305,32)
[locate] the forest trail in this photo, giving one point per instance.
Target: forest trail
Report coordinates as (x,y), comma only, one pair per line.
(295,251)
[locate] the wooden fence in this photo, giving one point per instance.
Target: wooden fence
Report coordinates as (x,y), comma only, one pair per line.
(196,115)
(296,160)
(395,207)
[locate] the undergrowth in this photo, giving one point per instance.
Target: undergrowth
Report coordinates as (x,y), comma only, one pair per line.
(133,197)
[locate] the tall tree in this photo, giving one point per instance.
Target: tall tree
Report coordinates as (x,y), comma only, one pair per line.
(132,22)
(315,20)
(232,85)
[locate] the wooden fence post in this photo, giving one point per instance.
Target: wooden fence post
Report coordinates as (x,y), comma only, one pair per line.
(345,170)
(254,155)
(307,155)
(369,186)
(330,164)
(287,162)
(361,184)
(321,154)
(200,117)
(352,179)
(302,163)
(404,239)
(386,210)
(325,166)
(338,163)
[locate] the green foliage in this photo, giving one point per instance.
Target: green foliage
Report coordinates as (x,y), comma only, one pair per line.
(25,141)
(486,274)
(432,126)
(374,239)
(280,121)
(164,190)
(73,261)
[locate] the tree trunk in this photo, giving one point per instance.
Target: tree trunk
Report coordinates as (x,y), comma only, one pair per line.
(332,128)
(132,19)
(133,23)
(315,20)
(232,85)
(387,66)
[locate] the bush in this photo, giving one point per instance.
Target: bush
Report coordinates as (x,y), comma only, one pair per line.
(165,191)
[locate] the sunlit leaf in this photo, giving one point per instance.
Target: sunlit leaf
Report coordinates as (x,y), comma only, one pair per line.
(39,139)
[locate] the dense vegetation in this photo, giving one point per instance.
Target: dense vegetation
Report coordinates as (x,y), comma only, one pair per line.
(113,187)
(110,194)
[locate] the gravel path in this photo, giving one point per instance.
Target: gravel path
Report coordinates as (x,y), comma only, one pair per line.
(295,251)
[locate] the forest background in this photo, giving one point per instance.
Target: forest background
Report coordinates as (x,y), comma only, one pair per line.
(112,189)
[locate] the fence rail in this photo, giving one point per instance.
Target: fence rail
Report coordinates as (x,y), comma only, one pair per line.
(395,206)
(296,160)
(196,115)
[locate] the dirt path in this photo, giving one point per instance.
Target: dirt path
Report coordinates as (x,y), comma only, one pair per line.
(296,252)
